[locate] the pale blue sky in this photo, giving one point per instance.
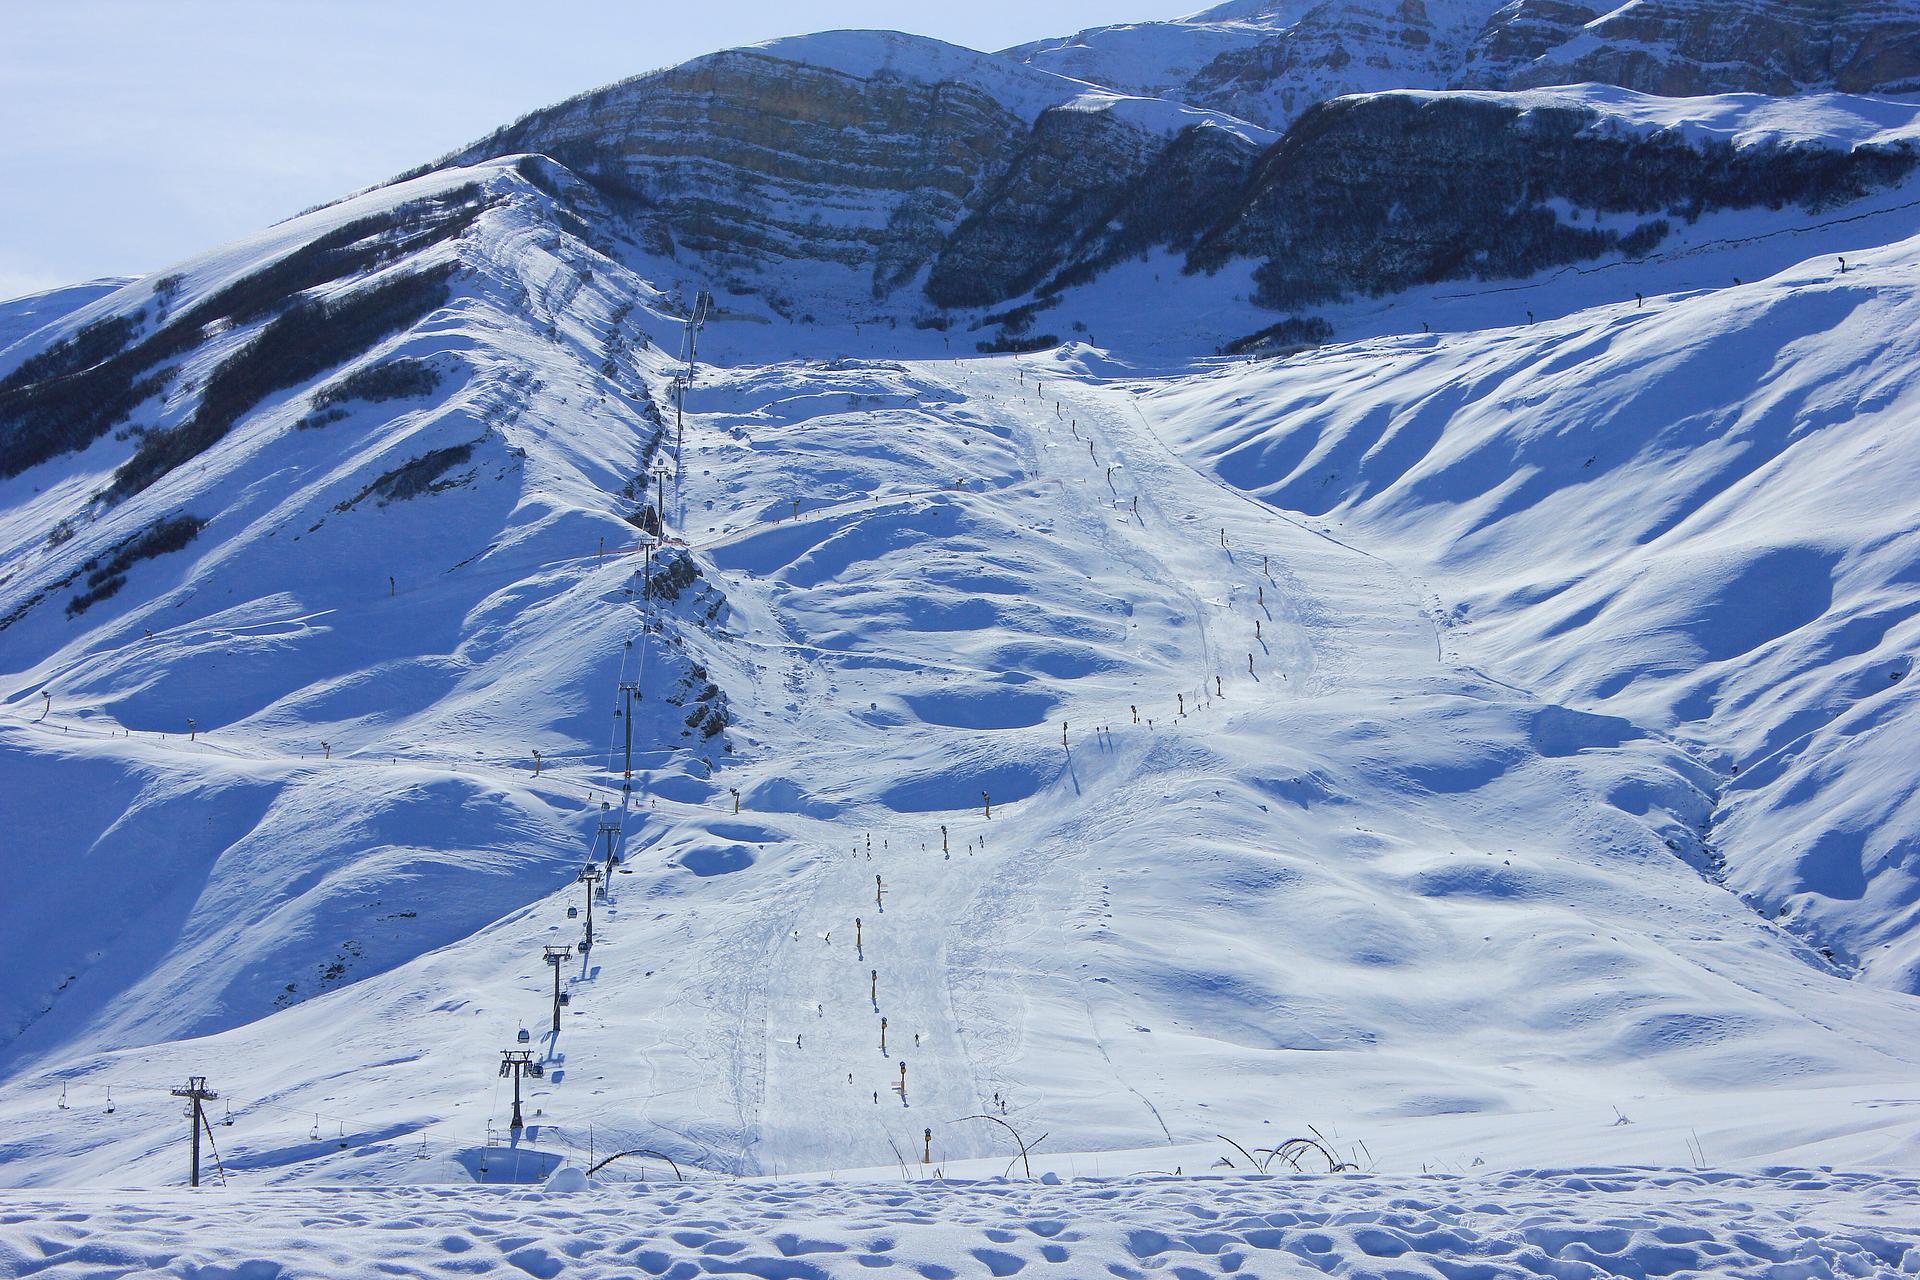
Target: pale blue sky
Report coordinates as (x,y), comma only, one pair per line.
(136,132)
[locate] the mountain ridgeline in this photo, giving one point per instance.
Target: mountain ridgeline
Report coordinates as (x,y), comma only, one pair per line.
(926,176)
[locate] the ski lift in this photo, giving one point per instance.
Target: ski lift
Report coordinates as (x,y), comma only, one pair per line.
(573,913)
(525,1035)
(63,1095)
(227,1118)
(535,1070)
(343,1135)
(566,998)
(314,1134)
(109,1102)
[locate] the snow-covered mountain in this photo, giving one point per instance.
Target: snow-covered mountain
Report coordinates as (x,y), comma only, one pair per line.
(909,178)
(1043,601)
(1270,60)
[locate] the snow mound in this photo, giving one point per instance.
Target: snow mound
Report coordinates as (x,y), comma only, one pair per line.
(567,1179)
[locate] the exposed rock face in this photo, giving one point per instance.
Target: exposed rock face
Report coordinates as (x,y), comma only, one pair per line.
(1269,62)
(1351,47)
(1055,197)
(1679,48)
(912,170)
(752,160)
(1368,195)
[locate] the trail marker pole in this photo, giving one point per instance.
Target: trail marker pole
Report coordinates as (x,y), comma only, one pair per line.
(197,1094)
(858,945)
(943,838)
(877,891)
(554,956)
(986,802)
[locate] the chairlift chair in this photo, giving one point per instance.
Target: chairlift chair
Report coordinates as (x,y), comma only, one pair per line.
(525,1035)
(573,913)
(566,998)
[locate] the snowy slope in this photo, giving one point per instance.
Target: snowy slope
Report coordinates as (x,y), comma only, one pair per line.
(1135,745)
(20,317)
(1694,514)
(1360,883)
(276,631)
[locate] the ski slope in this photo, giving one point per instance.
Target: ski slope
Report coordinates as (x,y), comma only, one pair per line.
(1363,884)
(1359,730)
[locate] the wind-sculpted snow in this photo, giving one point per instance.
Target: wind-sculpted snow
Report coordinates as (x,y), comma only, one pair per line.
(1588,1223)
(1694,514)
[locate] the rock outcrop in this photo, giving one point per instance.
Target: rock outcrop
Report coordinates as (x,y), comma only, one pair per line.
(870,173)
(856,150)
(1268,62)
(1680,48)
